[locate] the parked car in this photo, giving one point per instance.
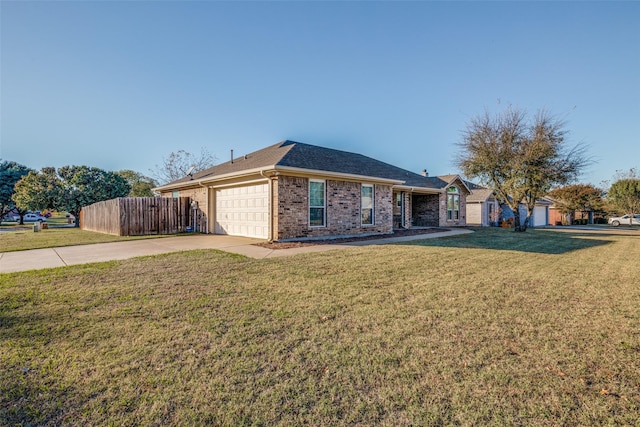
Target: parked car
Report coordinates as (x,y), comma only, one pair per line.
(31,217)
(624,220)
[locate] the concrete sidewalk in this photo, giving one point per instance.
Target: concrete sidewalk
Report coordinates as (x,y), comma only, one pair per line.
(36,259)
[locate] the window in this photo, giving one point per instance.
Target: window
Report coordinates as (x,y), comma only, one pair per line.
(175,194)
(316,203)
(398,200)
(366,204)
(453,203)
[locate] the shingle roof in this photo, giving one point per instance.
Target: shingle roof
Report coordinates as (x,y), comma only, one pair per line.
(479,195)
(312,157)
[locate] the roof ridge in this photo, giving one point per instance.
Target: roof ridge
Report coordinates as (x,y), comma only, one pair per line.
(301,155)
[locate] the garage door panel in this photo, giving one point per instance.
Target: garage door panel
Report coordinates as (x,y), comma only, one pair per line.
(539,216)
(243,211)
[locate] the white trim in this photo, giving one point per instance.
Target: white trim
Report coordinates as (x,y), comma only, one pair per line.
(324,207)
(212,179)
(373,204)
(458,177)
(236,184)
(347,176)
(419,190)
(453,199)
(270,211)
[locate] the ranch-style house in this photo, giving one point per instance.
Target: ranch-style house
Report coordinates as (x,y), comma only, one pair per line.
(297,191)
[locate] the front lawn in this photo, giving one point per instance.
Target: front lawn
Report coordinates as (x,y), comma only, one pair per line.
(491,328)
(23,238)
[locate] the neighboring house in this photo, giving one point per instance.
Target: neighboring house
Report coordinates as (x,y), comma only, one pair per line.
(539,217)
(482,207)
(556,217)
(292,191)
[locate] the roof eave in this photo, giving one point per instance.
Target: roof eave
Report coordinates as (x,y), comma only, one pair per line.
(211,179)
(347,176)
(415,189)
(279,169)
(458,177)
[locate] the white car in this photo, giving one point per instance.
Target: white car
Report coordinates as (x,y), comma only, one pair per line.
(624,220)
(31,217)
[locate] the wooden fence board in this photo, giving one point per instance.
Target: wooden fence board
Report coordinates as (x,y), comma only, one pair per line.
(137,216)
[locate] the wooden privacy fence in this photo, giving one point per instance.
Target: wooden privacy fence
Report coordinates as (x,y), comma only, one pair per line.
(137,216)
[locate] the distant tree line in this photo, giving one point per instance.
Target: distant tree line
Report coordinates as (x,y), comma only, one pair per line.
(69,188)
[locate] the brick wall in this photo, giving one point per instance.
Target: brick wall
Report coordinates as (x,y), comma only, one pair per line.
(291,197)
(383,209)
(425,210)
(463,208)
(198,194)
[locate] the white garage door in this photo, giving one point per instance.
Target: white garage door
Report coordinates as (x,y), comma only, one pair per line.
(539,216)
(474,213)
(243,211)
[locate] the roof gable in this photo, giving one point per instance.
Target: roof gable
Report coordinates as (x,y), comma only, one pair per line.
(479,195)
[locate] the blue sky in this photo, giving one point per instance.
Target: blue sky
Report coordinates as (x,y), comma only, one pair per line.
(120,85)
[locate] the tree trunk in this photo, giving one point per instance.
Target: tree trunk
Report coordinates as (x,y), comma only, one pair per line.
(516,221)
(521,228)
(76,216)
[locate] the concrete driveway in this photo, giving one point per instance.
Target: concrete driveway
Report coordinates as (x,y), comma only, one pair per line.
(82,254)
(36,259)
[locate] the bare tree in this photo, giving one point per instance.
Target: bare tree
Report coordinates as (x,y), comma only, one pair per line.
(180,163)
(519,159)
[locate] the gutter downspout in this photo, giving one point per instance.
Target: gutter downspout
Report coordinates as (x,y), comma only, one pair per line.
(269,206)
(206,229)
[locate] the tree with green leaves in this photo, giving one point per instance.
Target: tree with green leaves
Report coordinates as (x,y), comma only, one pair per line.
(69,188)
(577,197)
(10,173)
(624,195)
(519,158)
(141,186)
(181,163)
(38,190)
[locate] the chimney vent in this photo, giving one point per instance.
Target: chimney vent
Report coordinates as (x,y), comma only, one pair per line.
(231,156)
(424,172)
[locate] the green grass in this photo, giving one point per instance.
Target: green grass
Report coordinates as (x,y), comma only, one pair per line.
(24,239)
(492,328)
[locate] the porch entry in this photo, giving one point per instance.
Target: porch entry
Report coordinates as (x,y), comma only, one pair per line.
(425,210)
(398,209)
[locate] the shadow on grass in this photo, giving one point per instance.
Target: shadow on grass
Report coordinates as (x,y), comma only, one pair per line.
(533,241)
